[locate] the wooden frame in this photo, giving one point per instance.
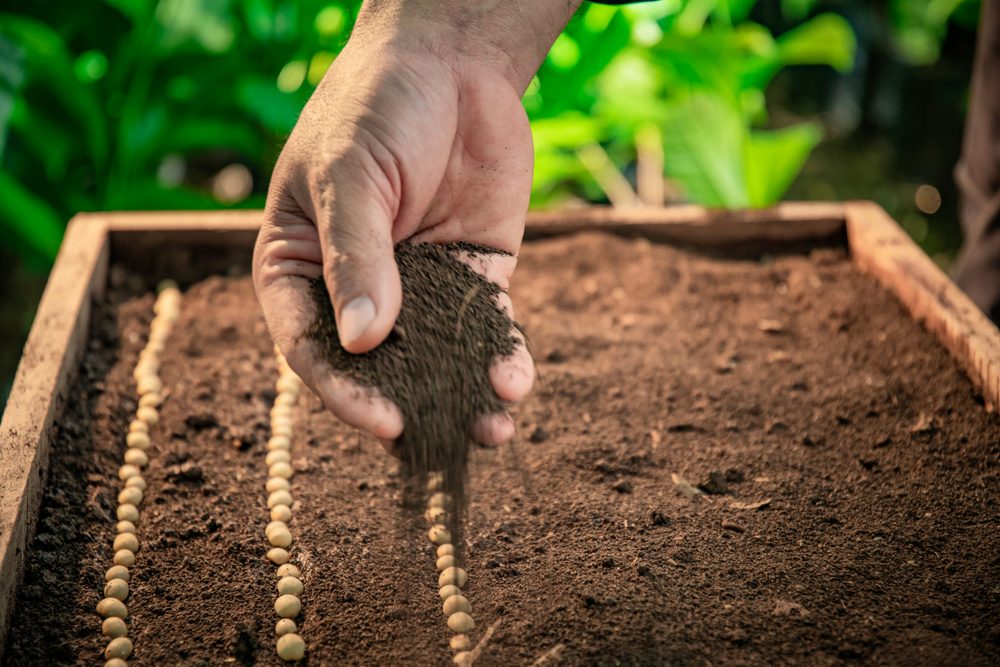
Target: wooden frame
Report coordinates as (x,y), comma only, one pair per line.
(59,334)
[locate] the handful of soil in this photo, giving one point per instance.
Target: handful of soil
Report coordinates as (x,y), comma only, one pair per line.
(435,363)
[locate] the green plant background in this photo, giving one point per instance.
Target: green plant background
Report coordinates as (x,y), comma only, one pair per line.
(137,104)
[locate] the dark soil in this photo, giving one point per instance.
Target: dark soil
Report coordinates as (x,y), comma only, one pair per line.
(797,382)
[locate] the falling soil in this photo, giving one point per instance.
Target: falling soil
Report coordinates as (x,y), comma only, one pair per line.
(852,520)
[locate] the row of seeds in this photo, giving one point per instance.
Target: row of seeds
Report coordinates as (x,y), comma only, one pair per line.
(452,579)
(290,645)
(149,387)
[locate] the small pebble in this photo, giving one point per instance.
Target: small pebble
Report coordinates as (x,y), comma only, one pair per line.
(278,456)
(127,471)
(446,550)
(128,513)
(439,535)
(119,647)
(449,590)
(461,622)
(279,498)
(289,383)
(286,398)
(148,414)
(150,400)
(279,442)
(459,657)
(289,570)
(125,558)
(444,562)
(116,572)
(439,500)
(289,586)
(281,513)
(111,607)
(137,439)
(280,470)
(287,606)
(117,589)
(136,457)
(126,527)
(135,482)
(455,604)
(277,556)
(453,575)
(116,662)
(277,484)
(291,647)
(460,643)
(126,541)
(114,626)
(280,537)
(130,496)
(284,626)
(138,426)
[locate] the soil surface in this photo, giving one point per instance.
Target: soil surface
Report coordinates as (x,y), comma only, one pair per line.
(794,382)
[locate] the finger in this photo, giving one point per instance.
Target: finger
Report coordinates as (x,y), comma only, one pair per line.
(493,430)
(513,375)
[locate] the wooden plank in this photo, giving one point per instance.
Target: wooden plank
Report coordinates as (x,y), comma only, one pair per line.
(48,367)
(880,247)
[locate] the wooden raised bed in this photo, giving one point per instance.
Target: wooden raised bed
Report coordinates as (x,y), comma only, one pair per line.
(59,335)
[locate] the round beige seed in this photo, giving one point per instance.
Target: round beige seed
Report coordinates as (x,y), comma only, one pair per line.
(279,442)
(150,400)
(155,346)
(282,431)
(291,647)
(149,384)
(273,525)
(286,398)
(114,626)
(460,643)
(281,423)
(136,457)
(459,657)
(287,606)
(280,537)
(282,513)
(148,414)
(130,496)
(111,607)
(281,412)
(280,470)
(453,575)
(136,482)
(137,439)
(461,622)
(289,382)
(120,647)
(289,570)
(116,572)
(449,590)
(277,556)
(127,471)
(436,516)
(138,426)
(278,456)
(444,562)
(289,586)
(439,500)
(126,541)
(116,662)
(277,484)
(284,626)
(125,558)
(446,550)
(439,535)
(435,481)
(117,589)
(128,513)
(455,604)
(279,498)
(126,527)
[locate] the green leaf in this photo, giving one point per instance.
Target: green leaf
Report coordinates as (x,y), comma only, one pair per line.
(11,78)
(48,139)
(796,10)
(568,131)
(29,218)
(774,158)
(826,39)
(138,11)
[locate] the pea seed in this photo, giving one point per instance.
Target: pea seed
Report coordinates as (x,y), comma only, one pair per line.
(280,537)
(291,647)
(439,500)
(128,512)
(116,572)
(439,535)
(281,423)
(281,412)
(276,456)
(287,606)
(435,481)
(273,525)
(453,575)
(138,426)
(114,626)
(148,414)
(279,442)
(120,647)
(436,516)
(461,622)
(286,398)
(280,470)
(444,562)
(111,607)
(136,457)
(282,513)
(277,484)
(288,382)
(460,643)
(449,590)
(289,586)
(117,589)
(279,498)
(155,347)
(137,439)
(126,541)
(281,431)
(130,496)
(136,482)
(124,557)
(277,556)
(149,384)
(284,627)
(455,604)
(459,657)
(446,550)
(289,570)
(127,471)
(150,400)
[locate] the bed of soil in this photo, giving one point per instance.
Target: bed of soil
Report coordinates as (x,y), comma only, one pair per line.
(795,380)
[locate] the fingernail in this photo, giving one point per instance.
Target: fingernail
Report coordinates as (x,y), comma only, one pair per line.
(355,318)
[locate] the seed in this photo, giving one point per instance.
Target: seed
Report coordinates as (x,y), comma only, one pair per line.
(289,586)
(439,500)
(449,590)
(120,647)
(289,382)
(436,516)
(460,643)
(281,431)
(128,513)
(279,442)
(149,384)
(453,575)
(286,398)
(138,426)
(455,604)
(281,412)
(114,626)
(127,471)
(117,589)
(279,498)
(150,400)
(287,606)
(136,482)
(111,607)
(278,484)
(125,527)
(137,439)
(116,572)
(276,456)
(273,525)
(446,550)
(124,557)
(130,496)
(439,535)
(281,423)
(116,662)
(282,513)
(461,622)
(291,647)
(148,414)
(155,346)
(280,537)
(459,657)
(126,541)
(280,470)
(444,562)
(136,457)
(284,626)
(289,570)
(435,481)
(278,556)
